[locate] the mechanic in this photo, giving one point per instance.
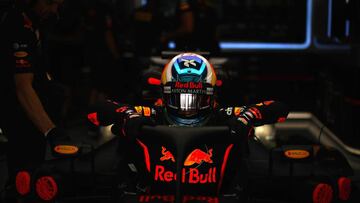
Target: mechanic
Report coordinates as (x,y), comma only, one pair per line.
(189,85)
(26,86)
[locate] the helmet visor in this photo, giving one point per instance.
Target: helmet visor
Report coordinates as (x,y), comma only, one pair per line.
(188,105)
(191,104)
(187,99)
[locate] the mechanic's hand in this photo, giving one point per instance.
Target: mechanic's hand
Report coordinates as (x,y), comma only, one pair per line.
(60,143)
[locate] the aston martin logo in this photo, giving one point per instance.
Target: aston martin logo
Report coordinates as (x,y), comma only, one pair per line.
(188,62)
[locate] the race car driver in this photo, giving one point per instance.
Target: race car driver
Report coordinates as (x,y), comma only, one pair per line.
(188,84)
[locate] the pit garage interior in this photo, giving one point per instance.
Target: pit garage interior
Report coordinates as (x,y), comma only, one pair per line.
(304,53)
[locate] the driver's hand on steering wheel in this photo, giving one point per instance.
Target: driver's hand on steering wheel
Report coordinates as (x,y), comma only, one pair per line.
(240,126)
(132,124)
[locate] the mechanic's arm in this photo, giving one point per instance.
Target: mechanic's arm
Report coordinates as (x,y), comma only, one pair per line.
(31,103)
(23,68)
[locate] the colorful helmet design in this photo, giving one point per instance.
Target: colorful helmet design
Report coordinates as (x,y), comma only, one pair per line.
(188,82)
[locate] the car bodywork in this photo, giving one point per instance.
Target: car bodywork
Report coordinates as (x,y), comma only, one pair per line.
(299,160)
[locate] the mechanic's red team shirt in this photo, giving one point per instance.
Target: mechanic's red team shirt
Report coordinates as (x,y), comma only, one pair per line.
(20,53)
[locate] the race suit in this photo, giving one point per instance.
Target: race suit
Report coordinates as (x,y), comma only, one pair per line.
(267,112)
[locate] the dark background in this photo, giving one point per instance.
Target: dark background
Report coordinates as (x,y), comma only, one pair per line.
(302,52)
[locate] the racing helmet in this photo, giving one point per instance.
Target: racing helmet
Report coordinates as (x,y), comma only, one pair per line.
(188,83)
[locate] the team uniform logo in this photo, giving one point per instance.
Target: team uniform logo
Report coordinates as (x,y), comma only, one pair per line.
(21,54)
(22,63)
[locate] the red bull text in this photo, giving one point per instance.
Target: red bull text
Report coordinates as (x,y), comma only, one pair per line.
(188,175)
(191,175)
(189,85)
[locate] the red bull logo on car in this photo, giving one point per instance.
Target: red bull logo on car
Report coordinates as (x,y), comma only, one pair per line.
(188,175)
(167,155)
(198,156)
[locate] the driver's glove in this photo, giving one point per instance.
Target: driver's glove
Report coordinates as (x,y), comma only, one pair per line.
(242,130)
(244,123)
(132,124)
(240,126)
(60,143)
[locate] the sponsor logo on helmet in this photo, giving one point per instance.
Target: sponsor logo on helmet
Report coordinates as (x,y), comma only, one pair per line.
(189,85)
(188,91)
(188,62)
(209,91)
(167,89)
